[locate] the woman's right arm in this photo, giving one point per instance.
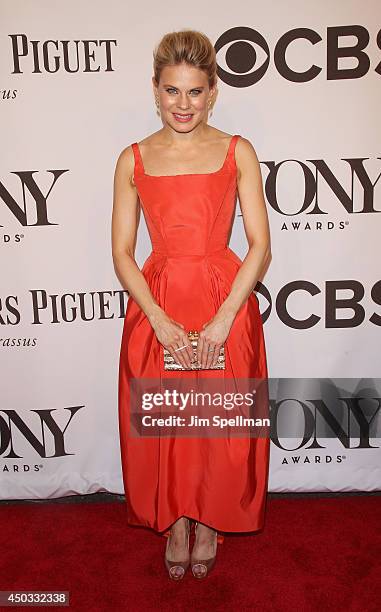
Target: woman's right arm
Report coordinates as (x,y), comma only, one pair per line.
(124,226)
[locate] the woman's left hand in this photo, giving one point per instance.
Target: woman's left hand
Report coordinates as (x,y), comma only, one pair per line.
(212,336)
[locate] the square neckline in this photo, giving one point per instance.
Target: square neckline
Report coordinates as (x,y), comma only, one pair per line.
(187,173)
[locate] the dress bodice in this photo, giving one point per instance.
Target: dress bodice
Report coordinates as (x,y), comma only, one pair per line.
(188,214)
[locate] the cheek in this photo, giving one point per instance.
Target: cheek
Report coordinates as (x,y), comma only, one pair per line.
(166,102)
(198,103)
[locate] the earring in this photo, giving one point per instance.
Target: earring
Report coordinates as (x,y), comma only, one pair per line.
(157,106)
(209,108)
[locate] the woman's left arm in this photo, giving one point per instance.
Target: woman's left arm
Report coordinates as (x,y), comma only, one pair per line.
(256,225)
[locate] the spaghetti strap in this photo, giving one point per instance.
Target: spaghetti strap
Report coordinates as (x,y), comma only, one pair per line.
(230,158)
(138,158)
(233,143)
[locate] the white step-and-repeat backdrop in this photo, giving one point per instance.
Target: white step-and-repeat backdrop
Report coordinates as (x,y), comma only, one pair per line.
(301,80)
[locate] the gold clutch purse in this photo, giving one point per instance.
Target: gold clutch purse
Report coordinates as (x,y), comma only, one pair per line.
(170,363)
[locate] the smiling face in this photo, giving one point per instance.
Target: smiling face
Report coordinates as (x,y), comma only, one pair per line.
(184,96)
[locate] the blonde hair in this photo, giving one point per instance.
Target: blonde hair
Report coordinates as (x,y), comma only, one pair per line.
(189,46)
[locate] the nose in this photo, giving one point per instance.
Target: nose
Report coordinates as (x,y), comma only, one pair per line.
(183,101)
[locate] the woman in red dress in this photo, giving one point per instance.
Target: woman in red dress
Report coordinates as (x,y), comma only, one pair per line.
(185,177)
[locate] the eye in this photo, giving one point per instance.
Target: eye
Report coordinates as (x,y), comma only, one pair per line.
(193,91)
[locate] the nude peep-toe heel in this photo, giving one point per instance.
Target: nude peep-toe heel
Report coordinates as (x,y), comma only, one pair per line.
(202,567)
(176,569)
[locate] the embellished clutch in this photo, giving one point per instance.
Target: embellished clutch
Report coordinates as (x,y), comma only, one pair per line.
(170,363)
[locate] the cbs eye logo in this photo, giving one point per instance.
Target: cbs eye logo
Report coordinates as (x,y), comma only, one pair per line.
(248,54)
(241,56)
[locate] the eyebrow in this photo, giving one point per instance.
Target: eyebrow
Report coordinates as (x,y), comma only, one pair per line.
(174,86)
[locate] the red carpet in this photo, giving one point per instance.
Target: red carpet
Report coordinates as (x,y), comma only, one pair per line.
(315,554)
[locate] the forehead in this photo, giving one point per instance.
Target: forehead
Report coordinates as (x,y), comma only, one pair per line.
(183,75)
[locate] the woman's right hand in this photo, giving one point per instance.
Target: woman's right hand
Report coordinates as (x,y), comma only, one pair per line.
(172,335)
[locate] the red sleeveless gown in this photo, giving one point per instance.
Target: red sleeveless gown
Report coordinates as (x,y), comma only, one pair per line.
(221,482)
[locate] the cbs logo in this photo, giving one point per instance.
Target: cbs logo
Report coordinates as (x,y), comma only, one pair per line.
(248,54)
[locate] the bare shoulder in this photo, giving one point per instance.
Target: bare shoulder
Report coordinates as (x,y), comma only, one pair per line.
(245,149)
(245,156)
(125,165)
(126,158)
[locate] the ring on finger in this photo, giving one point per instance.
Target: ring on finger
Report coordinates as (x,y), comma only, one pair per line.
(179,348)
